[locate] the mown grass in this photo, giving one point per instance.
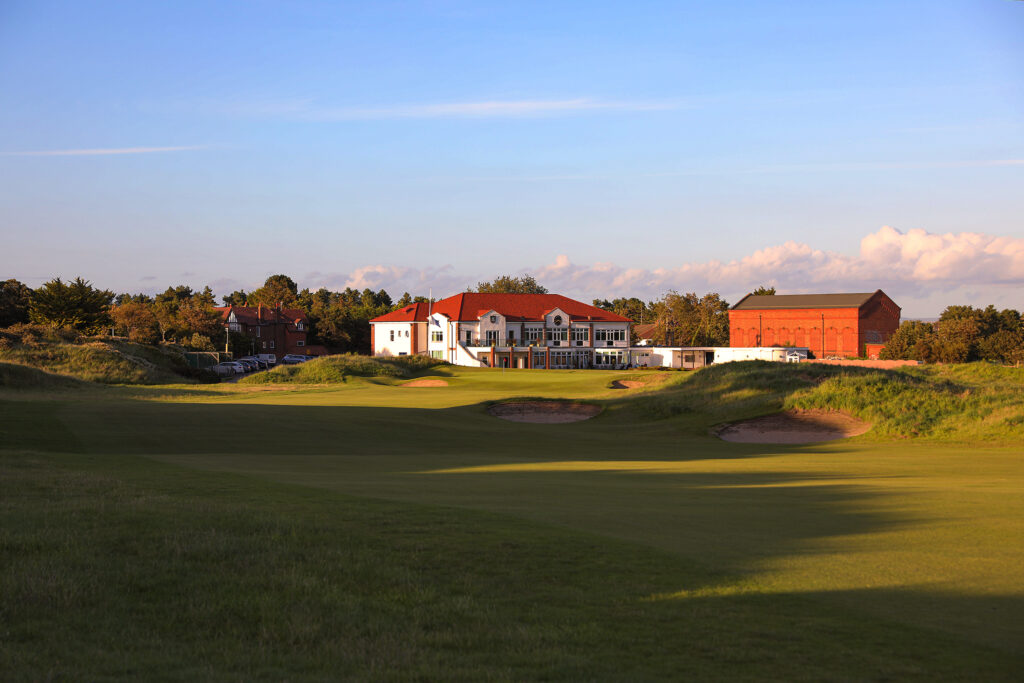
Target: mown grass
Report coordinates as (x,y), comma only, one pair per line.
(384,532)
(338,369)
(120,568)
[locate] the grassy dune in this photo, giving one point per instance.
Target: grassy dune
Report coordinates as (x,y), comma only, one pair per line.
(371,530)
(100,360)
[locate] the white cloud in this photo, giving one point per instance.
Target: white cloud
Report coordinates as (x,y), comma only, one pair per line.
(923,271)
(101,151)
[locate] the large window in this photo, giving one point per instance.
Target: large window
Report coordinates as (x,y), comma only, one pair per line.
(532,334)
(436,336)
(581,334)
(610,335)
(438,355)
(558,335)
(492,337)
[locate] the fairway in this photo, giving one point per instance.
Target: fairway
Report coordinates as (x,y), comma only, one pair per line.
(859,558)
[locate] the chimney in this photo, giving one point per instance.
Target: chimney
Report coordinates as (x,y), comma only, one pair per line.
(259,313)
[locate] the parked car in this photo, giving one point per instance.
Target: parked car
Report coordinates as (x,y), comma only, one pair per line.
(260,364)
(249,364)
(270,358)
(228,368)
(293,359)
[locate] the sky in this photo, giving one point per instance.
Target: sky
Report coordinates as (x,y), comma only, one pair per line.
(609,149)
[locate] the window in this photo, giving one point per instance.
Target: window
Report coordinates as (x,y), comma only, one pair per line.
(407,333)
(494,318)
(557,320)
(300,343)
(438,355)
(581,334)
(469,337)
(264,344)
(299,326)
(436,336)
(392,335)
(688,358)
(492,336)
(558,335)
(533,333)
(511,335)
(259,331)
(271,343)
(610,335)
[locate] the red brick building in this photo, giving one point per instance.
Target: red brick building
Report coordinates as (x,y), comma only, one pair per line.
(279,331)
(845,325)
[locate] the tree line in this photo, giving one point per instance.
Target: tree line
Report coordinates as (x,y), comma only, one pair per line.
(339,320)
(960,335)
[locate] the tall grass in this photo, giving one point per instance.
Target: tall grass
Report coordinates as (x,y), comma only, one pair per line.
(949,402)
(337,369)
(106,361)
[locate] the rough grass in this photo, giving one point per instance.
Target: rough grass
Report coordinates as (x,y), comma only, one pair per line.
(100,360)
(976,401)
(337,369)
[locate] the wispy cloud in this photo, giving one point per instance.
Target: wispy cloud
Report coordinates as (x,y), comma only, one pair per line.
(311,110)
(103,151)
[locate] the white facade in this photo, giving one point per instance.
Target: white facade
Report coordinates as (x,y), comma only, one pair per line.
(693,357)
(399,339)
(491,339)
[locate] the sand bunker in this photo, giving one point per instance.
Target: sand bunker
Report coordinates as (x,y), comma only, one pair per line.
(426,383)
(544,412)
(803,426)
(637,383)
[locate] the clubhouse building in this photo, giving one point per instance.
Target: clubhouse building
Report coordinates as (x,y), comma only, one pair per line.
(506,331)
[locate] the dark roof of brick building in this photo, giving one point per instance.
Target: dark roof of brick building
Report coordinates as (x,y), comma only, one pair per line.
(774,302)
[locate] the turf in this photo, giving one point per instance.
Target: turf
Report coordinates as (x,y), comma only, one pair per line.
(370,530)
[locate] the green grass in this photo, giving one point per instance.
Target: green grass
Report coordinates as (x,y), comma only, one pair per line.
(338,369)
(370,530)
(99,360)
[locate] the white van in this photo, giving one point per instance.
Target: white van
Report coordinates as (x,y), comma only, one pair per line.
(270,358)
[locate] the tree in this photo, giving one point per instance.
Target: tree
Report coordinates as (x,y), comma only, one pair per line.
(508,284)
(763,291)
(132,298)
(632,308)
(686,319)
(913,340)
(235,298)
(278,289)
(76,304)
(15,298)
(136,320)
(197,317)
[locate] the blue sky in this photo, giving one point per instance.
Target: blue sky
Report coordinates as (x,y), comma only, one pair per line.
(618,149)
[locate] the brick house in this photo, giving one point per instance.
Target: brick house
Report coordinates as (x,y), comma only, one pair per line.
(845,325)
(279,330)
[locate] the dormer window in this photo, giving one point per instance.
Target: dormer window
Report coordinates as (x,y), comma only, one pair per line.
(494,318)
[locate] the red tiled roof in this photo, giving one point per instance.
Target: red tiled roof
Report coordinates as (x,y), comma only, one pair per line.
(468,306)
(253,315)
(645,331)
(410,313)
